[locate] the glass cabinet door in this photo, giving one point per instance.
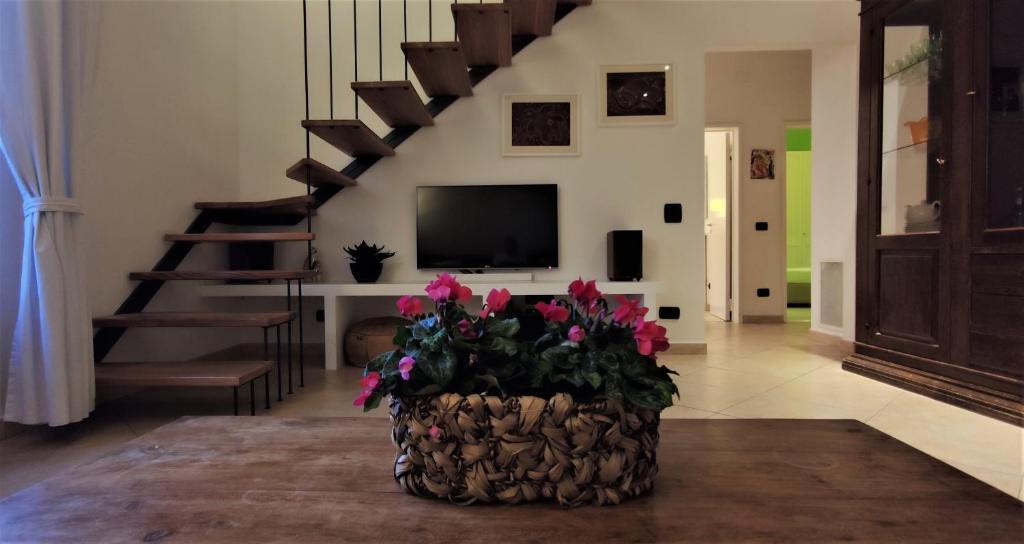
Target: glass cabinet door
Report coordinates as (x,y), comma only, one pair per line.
(1005,199)
(911,123)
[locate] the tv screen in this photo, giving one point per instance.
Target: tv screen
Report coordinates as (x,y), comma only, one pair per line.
(487,226)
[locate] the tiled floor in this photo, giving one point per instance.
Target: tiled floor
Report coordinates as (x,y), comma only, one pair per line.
(750,371)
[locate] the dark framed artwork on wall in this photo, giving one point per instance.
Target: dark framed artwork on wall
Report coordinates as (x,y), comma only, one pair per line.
(636,94)
(762,164)
(540,125)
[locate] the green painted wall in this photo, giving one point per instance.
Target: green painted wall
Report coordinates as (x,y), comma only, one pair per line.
(798,205)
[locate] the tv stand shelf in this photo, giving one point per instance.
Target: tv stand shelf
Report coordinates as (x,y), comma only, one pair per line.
(337,296)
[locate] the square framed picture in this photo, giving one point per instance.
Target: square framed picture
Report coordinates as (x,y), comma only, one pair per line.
(636,94)
(540,125)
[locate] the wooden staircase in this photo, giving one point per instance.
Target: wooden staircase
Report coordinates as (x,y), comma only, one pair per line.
(489,35)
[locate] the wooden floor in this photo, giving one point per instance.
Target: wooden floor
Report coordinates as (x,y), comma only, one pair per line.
(225,479)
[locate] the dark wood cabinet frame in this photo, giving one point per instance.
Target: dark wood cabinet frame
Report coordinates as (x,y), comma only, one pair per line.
(922,299)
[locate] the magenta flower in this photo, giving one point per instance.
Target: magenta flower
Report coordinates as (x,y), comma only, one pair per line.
(650,337)
(628,312)
(498,300)
(435,433)
(553,312)
(577,334)
(409,306)
(446,288)
(361,398)
(405,366)
(584,292)
(370,380)
(466,328)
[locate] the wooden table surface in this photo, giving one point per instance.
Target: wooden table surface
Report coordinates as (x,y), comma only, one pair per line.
(265,479)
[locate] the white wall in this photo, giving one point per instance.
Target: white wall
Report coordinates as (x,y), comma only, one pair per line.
(834,176)
(201,101)
(155,131)
(622,178)
(761,92)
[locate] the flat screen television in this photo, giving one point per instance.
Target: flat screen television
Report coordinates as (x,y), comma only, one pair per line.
(487,226)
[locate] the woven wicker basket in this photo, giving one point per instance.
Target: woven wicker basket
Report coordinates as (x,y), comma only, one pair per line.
(523,449)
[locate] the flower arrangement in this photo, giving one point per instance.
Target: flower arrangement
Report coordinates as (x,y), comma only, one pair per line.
(586,350)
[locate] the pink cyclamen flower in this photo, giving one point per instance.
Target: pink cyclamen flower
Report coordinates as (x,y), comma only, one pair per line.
(361,398)
(628,312)
(409,306)
(435,433)
(370,380)
(446,288)
(405,366)
(497,300)
(553,312)
(650,337)
(466,328)
(584,292)
(577,334)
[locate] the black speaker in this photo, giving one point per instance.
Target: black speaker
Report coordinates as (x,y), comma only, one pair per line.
(625,255)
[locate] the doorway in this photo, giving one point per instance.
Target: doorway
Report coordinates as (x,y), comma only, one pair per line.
(798,223)
(718,245)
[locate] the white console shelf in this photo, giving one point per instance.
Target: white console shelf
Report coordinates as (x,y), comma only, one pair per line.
(337,315)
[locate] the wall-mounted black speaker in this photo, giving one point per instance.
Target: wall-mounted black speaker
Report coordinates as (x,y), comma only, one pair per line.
(761,225)
(764,292)
(625,255)
(674,213)
(668,312)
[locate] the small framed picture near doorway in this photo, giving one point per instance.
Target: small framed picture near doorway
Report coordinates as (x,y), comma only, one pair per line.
(636,94)
(540,125)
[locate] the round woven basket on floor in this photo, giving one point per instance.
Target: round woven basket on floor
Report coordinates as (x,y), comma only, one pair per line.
(523,449)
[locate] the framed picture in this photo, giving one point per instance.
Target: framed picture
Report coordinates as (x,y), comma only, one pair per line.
(762,164)
(636,94)
(536,125)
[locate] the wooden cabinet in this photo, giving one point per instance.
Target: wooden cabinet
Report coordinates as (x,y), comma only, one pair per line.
(940,234)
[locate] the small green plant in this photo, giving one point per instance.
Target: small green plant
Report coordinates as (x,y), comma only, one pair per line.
(364,253)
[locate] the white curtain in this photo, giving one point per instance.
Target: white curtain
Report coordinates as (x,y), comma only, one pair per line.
(50,374)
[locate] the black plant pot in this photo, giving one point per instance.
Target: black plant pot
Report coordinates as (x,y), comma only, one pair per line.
(366,272)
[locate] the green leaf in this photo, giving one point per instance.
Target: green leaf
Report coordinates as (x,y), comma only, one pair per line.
(402,336)
(591,370)
(436,341)
(439,367)
(657,397)
(424,328)
(504,345)
(613,385)
(373,401)
(380,362)
(502,327)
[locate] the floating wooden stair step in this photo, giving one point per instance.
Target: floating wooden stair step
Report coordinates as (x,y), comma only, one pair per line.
(187,275)
(241,237)
(181,374)
(353,137)
(534,17)
(193,319)
(440,67)
(282,211)
(396,102)
(319,174)
(485,32)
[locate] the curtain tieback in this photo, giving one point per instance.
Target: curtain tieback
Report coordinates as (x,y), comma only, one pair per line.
(50,204)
